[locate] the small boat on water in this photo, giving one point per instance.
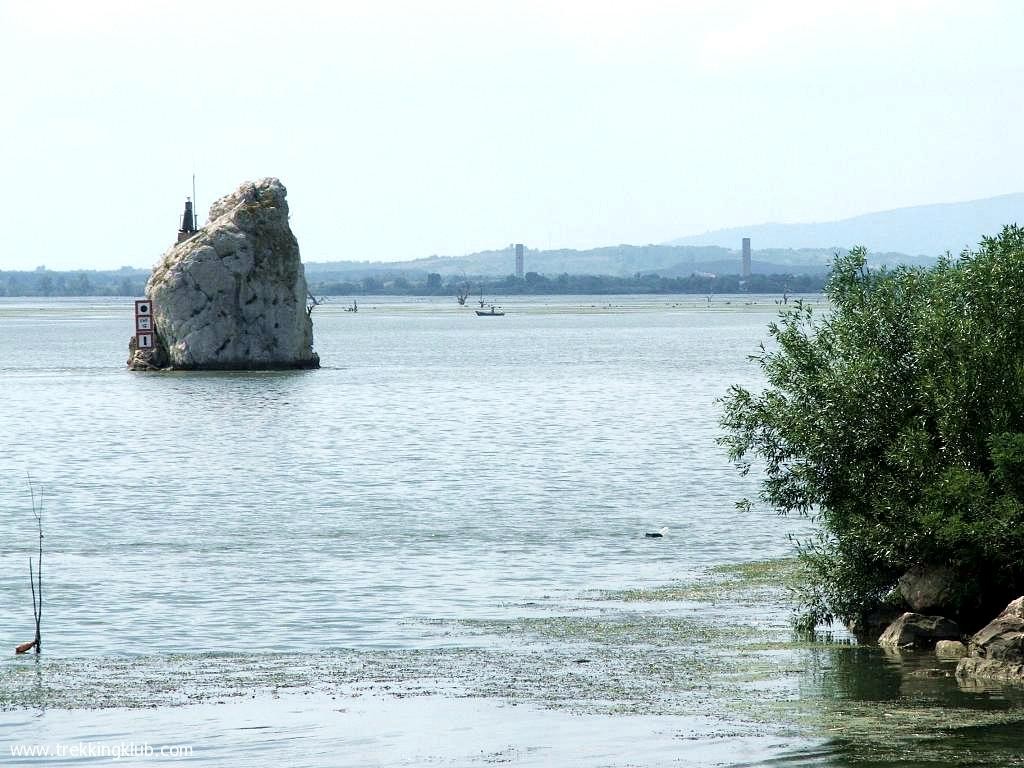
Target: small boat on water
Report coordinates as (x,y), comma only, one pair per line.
(353,308)
(492,312)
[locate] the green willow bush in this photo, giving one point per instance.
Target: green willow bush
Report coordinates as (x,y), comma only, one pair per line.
(896,421)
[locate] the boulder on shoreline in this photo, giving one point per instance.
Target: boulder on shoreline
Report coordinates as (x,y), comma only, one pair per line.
(972,668)
(950,649)
(233,296)
(929,589)
(869,625)
(914,630)
(1003,637)
(997,649)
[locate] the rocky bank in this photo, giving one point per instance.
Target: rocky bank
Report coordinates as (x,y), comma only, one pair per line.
(996,651)
(232,296)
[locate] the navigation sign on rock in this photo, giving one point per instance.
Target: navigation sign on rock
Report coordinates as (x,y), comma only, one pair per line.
(144,335)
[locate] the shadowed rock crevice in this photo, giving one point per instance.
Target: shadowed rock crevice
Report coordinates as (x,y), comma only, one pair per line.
(233,296)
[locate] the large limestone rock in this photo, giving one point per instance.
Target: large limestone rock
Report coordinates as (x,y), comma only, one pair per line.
(233,296)
(912,630)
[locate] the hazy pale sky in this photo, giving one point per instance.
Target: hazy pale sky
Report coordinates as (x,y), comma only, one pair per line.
(404,129)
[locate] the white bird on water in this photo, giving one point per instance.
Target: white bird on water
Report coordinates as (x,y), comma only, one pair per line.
(659,534)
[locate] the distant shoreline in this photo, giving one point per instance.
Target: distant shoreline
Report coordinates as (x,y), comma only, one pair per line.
(573,285)
(50,284)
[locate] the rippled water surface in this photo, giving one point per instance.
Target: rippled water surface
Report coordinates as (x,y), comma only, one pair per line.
(439,465)
(425,545)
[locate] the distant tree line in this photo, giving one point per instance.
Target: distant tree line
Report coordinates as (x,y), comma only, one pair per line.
(131,282)
(46,282)
(533,283)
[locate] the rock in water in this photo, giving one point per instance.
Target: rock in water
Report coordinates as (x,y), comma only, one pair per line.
(1002,639)
(869,625)
(912,630)
(997,650)
(950,649)
(233,296)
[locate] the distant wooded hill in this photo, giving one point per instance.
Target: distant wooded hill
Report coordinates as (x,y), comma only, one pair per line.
(929,230)
(914,235)
(615,261)
(903,236)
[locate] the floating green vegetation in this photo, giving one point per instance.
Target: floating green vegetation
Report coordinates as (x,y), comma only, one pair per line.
(709,592)
(907,732)
(710,655)
(620,629)
(735,583)
(784,572)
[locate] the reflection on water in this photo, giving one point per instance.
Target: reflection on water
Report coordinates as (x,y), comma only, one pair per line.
(880,708)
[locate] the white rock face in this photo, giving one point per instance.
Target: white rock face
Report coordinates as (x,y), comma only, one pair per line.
(234,295)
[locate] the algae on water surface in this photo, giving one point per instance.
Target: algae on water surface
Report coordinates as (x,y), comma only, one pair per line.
(691,648)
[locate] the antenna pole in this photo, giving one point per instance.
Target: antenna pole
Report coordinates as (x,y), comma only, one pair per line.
(195,217)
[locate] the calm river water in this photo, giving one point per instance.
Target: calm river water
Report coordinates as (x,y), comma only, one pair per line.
(440,476)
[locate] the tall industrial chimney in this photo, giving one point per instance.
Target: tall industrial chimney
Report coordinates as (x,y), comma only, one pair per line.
(746,258)
(519,260)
